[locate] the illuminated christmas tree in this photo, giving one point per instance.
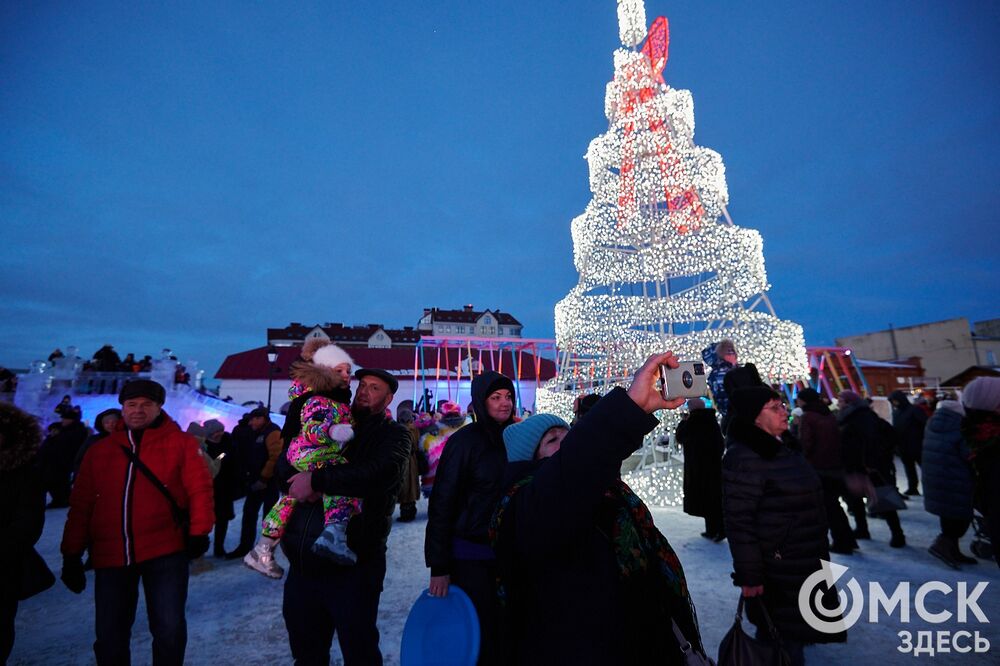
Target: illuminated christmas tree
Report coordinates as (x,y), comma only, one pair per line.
(662,266)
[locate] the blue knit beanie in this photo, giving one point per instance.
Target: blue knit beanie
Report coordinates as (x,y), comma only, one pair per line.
(522,439)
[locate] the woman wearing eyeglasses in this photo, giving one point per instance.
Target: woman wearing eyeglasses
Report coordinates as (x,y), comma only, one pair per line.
(774,519)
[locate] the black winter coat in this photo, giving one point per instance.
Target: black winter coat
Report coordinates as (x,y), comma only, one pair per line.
(58,451)
(21,522)
(909,421)
(867,442)
(228,483)
(252,450)
(99,434)
(819,437)
(776,526)
(22,497)
(701,438)
(567,601)
(468,482)
(376,459)
(946,470)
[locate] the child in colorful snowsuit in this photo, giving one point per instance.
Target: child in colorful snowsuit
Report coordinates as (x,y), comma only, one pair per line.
(325,429)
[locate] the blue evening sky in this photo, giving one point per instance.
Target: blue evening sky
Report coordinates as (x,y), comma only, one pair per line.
(188,174)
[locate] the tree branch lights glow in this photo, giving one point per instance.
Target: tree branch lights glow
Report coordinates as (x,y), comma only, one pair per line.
(661,264)
(631,21)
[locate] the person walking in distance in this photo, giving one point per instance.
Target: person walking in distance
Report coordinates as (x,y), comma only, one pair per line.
(258,447)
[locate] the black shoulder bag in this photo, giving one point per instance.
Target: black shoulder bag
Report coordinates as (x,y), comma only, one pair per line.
(739,649)
(182,517)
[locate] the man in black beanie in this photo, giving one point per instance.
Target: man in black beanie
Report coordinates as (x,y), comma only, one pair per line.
(132,530)
(774,518)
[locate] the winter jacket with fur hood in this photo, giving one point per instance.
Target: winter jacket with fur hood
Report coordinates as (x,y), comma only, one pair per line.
(319,404)
(469,479)
(21,494)
(376,459)
(117,512)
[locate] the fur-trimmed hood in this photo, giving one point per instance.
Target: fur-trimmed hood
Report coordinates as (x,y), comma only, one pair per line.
(315,377)
(20,437)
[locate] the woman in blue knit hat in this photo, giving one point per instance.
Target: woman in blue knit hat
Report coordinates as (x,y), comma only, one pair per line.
(585,577)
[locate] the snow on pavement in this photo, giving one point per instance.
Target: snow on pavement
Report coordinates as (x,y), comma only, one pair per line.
(234,614)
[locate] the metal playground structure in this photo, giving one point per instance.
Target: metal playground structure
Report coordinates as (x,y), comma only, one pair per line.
(444,367)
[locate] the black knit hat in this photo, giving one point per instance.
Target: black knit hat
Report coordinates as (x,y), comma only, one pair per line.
(746,403)
(808,396)
(142,388)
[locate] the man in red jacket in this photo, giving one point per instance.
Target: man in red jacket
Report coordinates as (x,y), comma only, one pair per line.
(128,524)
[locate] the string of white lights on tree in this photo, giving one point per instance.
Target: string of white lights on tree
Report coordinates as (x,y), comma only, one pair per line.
(661,264)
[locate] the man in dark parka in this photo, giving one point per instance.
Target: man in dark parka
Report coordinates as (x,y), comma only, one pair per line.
(58,453)
(866,444)
(909,421)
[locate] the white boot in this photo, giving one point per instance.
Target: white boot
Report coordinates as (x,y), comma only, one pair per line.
(261,558)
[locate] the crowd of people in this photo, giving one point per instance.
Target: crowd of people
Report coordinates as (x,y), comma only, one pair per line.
(520,509)
(106,359)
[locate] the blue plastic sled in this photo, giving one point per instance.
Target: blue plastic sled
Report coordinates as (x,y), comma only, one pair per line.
(443,631)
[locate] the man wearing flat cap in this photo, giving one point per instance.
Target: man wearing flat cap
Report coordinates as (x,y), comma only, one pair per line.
(122,516)
(322,597)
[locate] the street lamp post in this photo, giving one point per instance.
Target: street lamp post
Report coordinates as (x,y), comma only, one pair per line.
(272,356)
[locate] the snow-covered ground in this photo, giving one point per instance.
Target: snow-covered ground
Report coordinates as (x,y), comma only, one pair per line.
(234,614)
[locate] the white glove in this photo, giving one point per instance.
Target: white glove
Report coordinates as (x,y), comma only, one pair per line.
(341,432)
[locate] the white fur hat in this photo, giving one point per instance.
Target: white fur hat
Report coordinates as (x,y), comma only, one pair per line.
(330,356)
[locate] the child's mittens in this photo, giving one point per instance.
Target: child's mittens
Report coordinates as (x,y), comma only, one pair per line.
(341,432)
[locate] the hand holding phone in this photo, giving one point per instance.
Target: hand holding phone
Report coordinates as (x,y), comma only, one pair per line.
(687,380)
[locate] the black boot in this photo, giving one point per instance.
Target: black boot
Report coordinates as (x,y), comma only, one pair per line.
(407,512)
(898,539)
(219,540)
(959,556)
(942,549)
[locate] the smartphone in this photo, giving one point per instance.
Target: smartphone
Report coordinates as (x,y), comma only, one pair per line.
(688,380)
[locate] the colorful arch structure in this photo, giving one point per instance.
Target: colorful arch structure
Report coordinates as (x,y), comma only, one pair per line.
(446,365)
(831,370)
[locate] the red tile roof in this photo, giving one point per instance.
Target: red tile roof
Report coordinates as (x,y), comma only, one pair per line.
(252,364)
